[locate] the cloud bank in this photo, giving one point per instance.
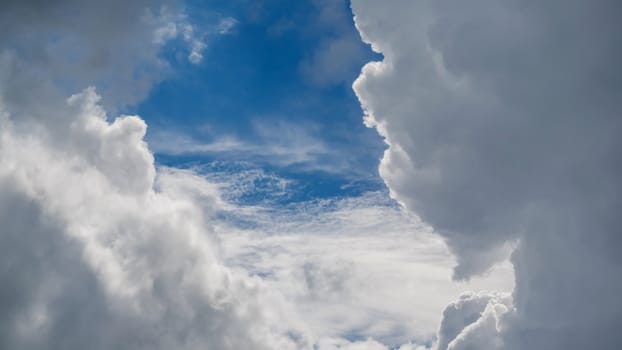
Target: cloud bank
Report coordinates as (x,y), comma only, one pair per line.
(503,125)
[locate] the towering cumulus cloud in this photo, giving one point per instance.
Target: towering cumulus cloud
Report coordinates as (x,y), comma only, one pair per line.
(94,257)
(503,121)
(97,251)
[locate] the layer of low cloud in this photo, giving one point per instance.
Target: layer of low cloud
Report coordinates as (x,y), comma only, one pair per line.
(503,120)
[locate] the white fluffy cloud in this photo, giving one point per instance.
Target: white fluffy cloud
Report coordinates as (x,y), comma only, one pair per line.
(96,251)
(502,120)
(94,257)
(474,321)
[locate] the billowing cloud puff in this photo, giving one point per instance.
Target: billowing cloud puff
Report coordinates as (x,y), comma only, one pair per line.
(503,125)
(97,250)
(474,321)
(94,257)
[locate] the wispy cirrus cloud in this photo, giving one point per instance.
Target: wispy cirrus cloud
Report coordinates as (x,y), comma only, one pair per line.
(278,143)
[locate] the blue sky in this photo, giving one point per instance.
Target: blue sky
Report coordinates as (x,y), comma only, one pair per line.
(280,77)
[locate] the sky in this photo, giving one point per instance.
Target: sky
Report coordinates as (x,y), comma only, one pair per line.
(317,174)
(276,93)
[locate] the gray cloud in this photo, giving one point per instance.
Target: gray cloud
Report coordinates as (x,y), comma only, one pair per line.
(74,44)
(503,124)
(82,43)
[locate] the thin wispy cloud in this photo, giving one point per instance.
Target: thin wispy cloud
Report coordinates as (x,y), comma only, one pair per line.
(271,142)
(356,267)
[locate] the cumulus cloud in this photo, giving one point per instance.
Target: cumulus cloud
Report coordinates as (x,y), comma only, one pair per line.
(474,321)
(502,124)
(97,250)
(95,257)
